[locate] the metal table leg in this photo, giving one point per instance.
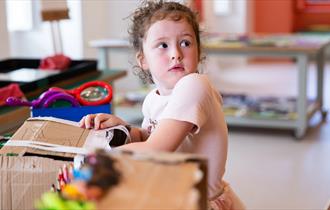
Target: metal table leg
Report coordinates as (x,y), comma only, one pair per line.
(320,80)
(103,62)
(302,96)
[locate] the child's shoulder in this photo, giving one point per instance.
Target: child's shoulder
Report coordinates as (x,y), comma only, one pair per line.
(194,81)
(194,87)
(194,77)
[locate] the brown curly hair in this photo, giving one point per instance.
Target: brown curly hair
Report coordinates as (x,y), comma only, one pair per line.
(150,12)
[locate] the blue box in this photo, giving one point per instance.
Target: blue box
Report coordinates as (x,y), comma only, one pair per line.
(70,113)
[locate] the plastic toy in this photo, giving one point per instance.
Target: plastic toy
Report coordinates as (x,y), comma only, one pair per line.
(45,100)
(91,93)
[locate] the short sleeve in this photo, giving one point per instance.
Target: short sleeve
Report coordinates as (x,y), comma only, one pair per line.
(190,101)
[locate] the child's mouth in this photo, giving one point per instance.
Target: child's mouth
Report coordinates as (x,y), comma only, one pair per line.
(177,68)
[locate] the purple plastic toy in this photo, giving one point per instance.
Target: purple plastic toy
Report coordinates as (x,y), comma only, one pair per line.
(45,100)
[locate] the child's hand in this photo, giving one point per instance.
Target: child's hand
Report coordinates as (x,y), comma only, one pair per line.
(100,121)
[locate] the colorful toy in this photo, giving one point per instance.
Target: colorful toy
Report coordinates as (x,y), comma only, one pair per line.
(97,175)
(82,187)
(47,99)
(91,93)
(55,201)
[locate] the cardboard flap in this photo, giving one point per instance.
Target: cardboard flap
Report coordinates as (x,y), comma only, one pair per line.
(49,136)
(48,130)
(158,181)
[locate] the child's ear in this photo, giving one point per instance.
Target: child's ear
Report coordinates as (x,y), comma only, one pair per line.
(140,59)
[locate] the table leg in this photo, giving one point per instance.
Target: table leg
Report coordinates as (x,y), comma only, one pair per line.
(103,61)
(302,96)
(320,80)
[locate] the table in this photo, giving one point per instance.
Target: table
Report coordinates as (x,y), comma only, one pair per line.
(300,47)
(12,117)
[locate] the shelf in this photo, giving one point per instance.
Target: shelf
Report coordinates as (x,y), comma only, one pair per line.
(263,122)
(300,48)
(261,107)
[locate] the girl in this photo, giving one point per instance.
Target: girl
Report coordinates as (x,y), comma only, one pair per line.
(183,113)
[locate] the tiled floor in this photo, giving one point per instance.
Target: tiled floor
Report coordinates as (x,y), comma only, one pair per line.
(270,169)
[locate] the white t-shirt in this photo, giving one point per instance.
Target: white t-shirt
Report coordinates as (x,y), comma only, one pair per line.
(194,100)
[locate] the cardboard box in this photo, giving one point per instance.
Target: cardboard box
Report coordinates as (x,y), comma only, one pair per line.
(54,137)
(23,179)
(149,181)
(158,181)
(70,113)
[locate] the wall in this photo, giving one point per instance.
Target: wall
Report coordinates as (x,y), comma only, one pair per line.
(250,17)
(4,37)
(235,22)
(94,16)
(306,20)
(108,19)
(100,19)
(104,19)
(112,16)
(273,16)
(38,43)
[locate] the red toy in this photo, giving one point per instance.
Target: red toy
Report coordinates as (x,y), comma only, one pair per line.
(58,62)
(92,93)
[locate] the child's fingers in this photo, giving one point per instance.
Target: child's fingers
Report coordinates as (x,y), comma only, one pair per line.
(89,121)
(108,123)
(82,122)
(100,119)
(70,171)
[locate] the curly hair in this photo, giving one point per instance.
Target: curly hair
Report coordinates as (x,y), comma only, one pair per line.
(150,12)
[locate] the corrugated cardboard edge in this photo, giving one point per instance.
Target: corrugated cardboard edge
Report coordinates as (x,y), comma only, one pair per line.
(54,119)
(25,179)
(144,171)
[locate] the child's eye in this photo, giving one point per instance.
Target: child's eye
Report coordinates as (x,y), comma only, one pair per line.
(162,45)
(185,43)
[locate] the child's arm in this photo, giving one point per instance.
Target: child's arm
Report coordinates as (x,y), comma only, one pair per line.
(166,137)
(101,121)
(138,134)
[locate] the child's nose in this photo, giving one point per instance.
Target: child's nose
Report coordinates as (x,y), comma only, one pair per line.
(177,54)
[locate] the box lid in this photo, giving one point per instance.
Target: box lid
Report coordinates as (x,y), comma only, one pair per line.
(48,130)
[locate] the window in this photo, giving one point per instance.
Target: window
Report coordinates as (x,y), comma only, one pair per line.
(19,15)
(222,7)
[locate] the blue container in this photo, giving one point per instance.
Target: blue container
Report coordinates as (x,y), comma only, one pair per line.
(70,113)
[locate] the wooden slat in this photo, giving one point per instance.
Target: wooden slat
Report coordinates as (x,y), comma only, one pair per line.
(55,15)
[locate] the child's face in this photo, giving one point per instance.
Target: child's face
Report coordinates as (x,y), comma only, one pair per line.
(170,52)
